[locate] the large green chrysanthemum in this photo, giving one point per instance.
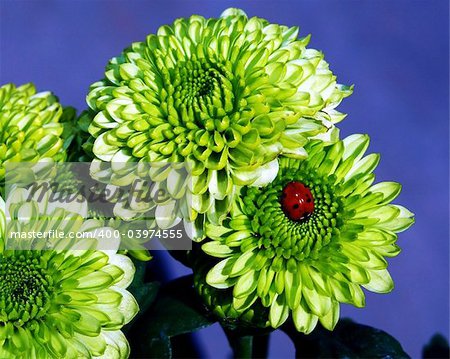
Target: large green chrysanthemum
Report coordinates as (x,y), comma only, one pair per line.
(310,238)
(225,95)
(61,303)
(29,126)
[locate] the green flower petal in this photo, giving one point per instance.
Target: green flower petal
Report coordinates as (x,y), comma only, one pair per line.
(279,311)
(116,345)
(245,285)
(380,281)
(330,320)
(303,321)
(218,249)
(218,276)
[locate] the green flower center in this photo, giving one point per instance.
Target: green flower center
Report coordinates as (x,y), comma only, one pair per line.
(279,235)
(199,97)
(202,85)
(197,80)
(25,289)
(66,180)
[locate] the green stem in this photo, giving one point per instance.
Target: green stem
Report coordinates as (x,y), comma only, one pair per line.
(261,346)
(242,345)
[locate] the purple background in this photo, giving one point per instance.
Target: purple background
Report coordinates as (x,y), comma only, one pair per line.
(396,54)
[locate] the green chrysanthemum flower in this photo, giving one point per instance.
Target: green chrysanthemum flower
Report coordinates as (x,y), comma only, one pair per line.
(67,304)
(310,238)
(225,95)
(29,126)
(61,303)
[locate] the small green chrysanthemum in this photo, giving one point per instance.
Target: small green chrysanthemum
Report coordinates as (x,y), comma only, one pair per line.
(29,126)
(310,238)
(220,302)
(225,95)
(61,303)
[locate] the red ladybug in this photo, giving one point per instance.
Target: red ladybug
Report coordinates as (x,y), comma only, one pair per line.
(297,201)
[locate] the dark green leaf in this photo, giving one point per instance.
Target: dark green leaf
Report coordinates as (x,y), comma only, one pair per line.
(76,137)
(175,311)
(68,120)
(85,120)
(436,348)
(242,345)
(157,347)
(348,340)
(144,293)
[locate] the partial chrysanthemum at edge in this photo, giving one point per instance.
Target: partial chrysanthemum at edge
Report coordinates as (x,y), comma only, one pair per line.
(311,238)
(225,95)
(66,303)
(30,128)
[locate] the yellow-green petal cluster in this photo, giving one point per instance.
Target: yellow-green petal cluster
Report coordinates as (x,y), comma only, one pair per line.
(306,268)
(61,303)
(29,126)
(220,302)
(226,95)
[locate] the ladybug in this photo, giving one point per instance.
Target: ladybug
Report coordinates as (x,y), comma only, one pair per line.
(297,201)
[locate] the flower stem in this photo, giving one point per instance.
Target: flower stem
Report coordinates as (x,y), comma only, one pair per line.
(242,345)
(261,346)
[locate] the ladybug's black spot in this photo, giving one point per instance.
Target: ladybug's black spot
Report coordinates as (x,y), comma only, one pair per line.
(308,200)
(295,206)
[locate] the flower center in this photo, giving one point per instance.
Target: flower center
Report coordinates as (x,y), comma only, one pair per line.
(297,201)
(194,81)
(286,231)
(25,288)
